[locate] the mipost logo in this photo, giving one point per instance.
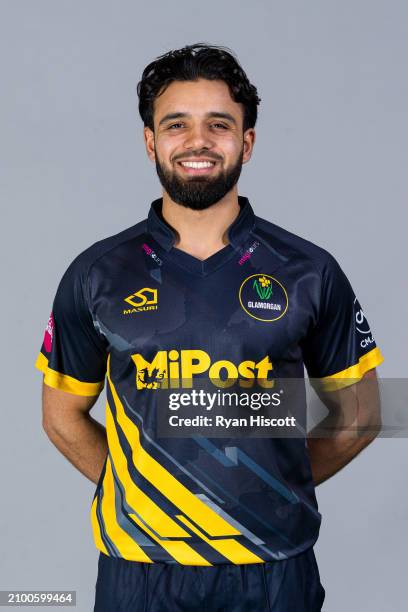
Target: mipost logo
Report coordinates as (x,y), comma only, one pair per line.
(176,369)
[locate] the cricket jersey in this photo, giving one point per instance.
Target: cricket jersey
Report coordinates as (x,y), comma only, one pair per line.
(147,321)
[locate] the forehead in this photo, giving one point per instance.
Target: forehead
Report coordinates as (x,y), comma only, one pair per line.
(196,98)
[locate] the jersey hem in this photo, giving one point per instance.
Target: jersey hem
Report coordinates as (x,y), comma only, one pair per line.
(63,382)
(129,557)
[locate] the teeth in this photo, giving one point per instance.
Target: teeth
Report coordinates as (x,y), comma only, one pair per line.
(197,164)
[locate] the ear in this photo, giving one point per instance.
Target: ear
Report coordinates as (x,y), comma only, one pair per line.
(149,142)
(249,141)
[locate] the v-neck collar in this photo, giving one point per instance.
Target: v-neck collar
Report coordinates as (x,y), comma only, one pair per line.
(164,234)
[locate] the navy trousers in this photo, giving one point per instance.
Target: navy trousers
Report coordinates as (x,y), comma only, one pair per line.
(291,585)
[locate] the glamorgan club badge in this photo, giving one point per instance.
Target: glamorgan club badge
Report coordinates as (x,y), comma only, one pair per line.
(263,297)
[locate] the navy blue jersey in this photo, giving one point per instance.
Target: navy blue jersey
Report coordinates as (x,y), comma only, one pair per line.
(137,315)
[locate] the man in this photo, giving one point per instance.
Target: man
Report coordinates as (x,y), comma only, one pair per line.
(202,291)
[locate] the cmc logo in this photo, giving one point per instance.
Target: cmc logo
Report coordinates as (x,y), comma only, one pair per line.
(144,299)
(362,325)
(367,341)
(177,368)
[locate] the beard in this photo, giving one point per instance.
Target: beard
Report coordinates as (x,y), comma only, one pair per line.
(199,192)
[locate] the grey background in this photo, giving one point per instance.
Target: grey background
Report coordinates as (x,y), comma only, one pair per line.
(328,164)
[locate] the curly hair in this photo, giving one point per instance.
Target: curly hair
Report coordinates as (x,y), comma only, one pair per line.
(200,60)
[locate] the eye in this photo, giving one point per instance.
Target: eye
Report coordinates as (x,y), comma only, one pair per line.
(221,125)
(173,125)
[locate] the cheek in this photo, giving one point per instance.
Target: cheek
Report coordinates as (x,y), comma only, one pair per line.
(231,144)
(233,151)
(166,150)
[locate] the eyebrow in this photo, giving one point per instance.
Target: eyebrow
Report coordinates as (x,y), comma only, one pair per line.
(211,114)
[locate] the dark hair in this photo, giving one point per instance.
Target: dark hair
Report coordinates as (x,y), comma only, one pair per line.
(190,63)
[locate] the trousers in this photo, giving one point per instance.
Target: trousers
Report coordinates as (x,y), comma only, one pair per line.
(289,585)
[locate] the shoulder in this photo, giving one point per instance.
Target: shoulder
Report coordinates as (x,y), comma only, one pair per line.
(290,246)
(83,261)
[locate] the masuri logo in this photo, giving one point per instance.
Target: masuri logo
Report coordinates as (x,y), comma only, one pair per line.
(144,299)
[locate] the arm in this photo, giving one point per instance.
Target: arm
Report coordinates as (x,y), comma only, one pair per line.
(353,422)
(69,426)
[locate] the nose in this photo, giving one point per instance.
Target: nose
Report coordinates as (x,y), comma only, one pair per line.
(198,137)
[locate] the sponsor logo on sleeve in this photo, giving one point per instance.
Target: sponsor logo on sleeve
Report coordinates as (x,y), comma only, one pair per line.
(362,325)
(49,334)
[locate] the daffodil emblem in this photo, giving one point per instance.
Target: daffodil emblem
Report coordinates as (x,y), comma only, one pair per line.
(263,287)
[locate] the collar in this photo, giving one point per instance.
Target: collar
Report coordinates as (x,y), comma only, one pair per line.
(165,235)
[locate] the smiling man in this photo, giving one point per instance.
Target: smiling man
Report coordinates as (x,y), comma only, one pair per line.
(204,298)
(199,143)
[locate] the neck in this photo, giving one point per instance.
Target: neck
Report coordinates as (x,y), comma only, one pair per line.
(201,233)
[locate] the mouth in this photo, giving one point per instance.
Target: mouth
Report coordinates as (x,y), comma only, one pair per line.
(197,168)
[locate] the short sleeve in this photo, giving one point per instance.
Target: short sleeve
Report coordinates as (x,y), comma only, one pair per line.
(73,354)
(340,348)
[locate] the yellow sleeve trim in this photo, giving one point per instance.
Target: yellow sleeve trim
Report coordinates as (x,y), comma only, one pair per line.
(354,373)
(55,379)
